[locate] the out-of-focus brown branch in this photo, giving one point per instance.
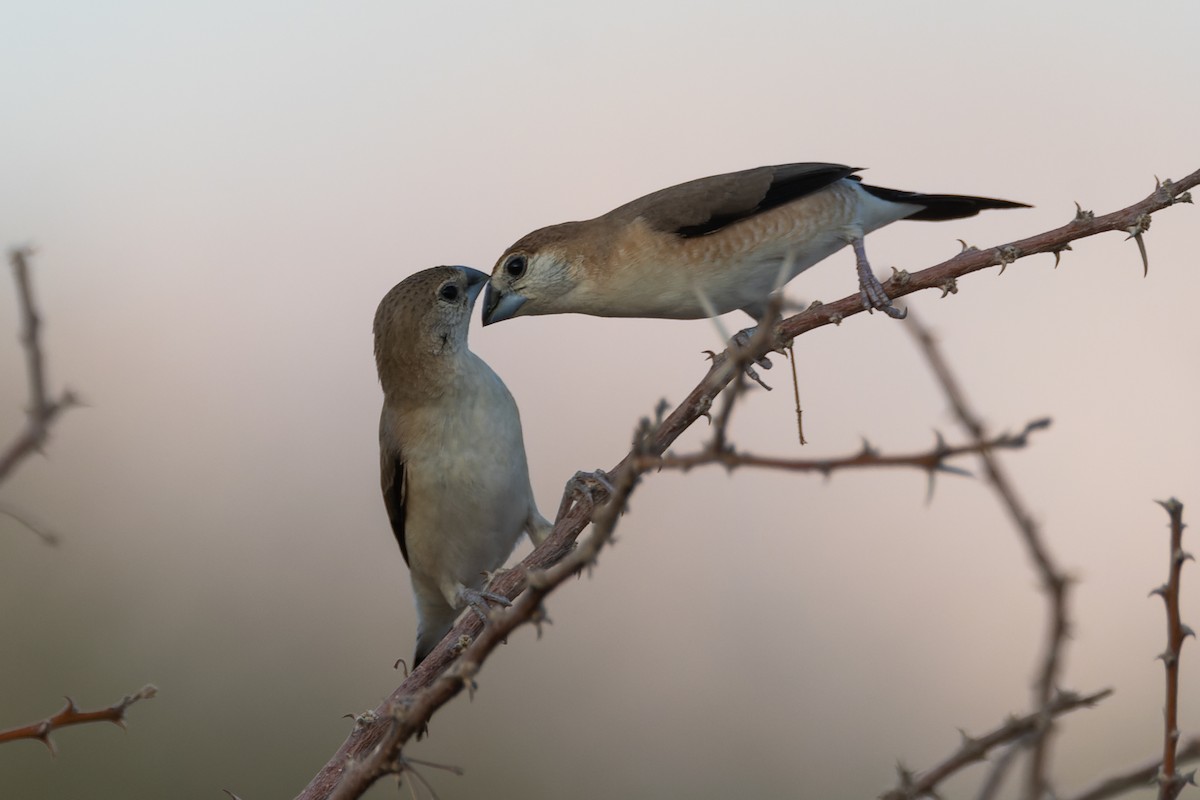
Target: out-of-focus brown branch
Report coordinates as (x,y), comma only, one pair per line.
(1170,782)
(1138,777)
(436,681)
(42,409)
(931,461)
(1054,582)
(975,749)
(71,715)
(999,771)
(48,537)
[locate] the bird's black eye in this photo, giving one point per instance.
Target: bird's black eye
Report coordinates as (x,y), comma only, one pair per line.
(515,266)
(449,292)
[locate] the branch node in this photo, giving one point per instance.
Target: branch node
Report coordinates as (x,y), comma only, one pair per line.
(1005,256)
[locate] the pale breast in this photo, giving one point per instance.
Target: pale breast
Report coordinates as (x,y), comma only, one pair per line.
(468,481)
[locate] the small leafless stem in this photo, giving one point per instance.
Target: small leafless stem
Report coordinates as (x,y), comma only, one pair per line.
(1170,782)
(42,409)
(975,749)
(49,538)
(1137,777)
(931,461)
(999,771)
(71,715)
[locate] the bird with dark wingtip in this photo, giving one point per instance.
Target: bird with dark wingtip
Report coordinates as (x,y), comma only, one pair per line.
(452,457)
(710,246)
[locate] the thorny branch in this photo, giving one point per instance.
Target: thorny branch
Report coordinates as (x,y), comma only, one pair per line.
(1170,782)
(42,409)
(71,715)
(1138,777)
(975,749)
(932,461)
(436,681)
(1054,582)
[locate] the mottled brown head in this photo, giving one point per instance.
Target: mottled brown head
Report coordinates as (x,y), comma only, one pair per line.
(424,317)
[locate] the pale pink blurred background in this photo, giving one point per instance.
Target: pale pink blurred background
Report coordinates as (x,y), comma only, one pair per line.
(221,192)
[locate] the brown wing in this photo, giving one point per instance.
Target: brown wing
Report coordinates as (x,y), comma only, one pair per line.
(392,478)
(706,205)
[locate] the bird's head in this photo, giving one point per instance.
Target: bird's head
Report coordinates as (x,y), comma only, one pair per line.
(534,275)
(425,315)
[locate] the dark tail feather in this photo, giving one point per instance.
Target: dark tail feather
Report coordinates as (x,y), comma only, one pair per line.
(941,206)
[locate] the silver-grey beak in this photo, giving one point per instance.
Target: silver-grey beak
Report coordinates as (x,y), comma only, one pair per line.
(499,306)
(475,283)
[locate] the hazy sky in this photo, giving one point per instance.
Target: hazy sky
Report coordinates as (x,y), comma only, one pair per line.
(221,193)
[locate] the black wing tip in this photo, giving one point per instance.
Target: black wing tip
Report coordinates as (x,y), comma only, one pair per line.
(938,207)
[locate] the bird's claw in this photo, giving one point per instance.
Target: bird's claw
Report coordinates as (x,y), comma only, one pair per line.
(742,339)
(582,484)
(477,600)
(752,374)
(869,288)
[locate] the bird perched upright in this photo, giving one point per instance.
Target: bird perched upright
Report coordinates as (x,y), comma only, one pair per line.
(709,246)
(452,458)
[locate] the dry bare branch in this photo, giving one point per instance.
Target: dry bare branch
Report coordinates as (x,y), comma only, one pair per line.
(453,664)
(71,715)
(1170,782)
(975,749)
(48,538)
(42,409)
(931,461)
(1138,777)
(1054,582)
(999,771)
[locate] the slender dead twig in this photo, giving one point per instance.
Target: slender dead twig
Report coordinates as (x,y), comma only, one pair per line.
(1170,782)
(999,771)
(1137,777)
(43,410)
(1055,583)
(435,682)
(48,537)
(975,749)
(71,715)
(931,461)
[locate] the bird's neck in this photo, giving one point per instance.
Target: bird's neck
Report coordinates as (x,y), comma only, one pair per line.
(407,378)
